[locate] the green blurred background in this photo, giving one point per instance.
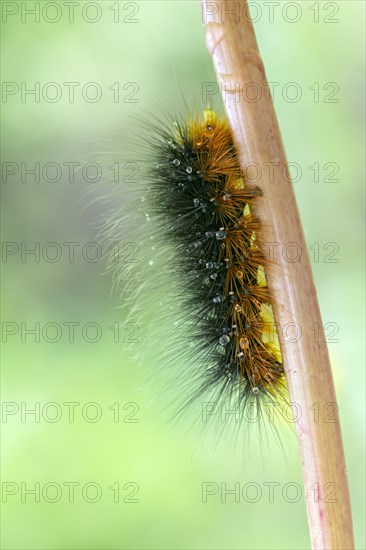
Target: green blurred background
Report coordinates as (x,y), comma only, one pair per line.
(158,47)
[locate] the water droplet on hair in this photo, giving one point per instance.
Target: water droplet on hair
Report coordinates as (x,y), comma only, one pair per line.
(224,340)
(189,169)
(244,342)
(196,202)
(255,391)
(151,262)
(216,300)
(176,162)
(210,234)
(238,308)
(213,276)
(209,265)
(220,234)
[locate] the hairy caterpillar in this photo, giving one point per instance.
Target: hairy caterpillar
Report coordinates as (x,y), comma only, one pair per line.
(201,207)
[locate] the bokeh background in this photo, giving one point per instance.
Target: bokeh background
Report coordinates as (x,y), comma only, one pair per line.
(155,50)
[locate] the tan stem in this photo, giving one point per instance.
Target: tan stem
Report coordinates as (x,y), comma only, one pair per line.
(232,44)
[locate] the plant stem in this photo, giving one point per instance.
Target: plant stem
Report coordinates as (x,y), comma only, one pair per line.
(232,44)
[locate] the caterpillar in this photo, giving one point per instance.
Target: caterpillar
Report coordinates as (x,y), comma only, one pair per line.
(202,206)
